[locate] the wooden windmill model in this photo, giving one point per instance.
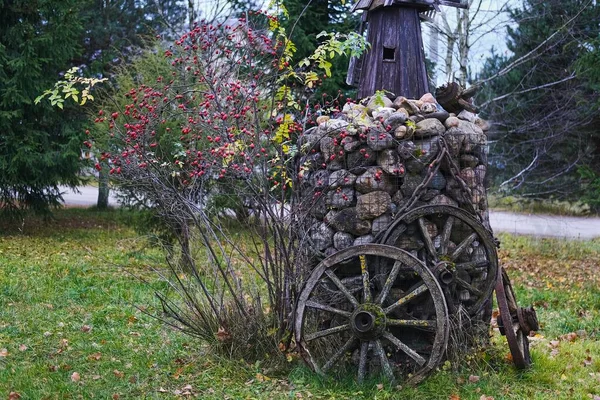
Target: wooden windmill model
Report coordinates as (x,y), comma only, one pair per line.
(395,61)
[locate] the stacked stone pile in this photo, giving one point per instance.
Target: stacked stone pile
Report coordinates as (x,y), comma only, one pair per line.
(366,164)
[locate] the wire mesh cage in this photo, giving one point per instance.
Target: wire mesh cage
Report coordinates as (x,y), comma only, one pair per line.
(397,230)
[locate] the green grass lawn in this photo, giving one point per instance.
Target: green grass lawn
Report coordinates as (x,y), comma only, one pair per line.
(72,326)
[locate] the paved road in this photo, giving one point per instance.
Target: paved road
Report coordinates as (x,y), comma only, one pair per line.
(86,196)
(523,224)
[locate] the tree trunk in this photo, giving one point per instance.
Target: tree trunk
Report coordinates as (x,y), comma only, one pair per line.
(103,189)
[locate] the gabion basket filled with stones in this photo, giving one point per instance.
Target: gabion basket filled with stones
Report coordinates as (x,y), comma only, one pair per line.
(397,241)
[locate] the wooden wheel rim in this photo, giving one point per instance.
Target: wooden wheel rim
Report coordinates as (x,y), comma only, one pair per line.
(518,343)
(333,262)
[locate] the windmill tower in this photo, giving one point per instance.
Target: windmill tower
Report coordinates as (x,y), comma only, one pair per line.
(395,61)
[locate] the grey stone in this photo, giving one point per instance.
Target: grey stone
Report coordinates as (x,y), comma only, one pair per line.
(341,178)
(468,175)
(429,194)
(376,102)
(428,108)
(316,206)
(308,142)
(381,223)
(441,115)
(410,184)
(328,147)
(425,152)
(374,179)
(429,127)
(395,120)
(366,239)
(443,201)
(332,126)
(464,138)
(397,197)
(467,116)
(330,216)
(353,107)
(347,221)
(412,106)
(340,198)
(383,113)
(452,122)
(321,236)
(362,157)
(312,162)
(342,240)
(335,164)
(379,140)
(406,149)
(389,161)
(401,132)
(468,160)
(320,179)
(438,181)
(350,144)
(372,205)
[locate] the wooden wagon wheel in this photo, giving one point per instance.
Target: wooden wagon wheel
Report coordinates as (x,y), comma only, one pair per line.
(456,247)
(515,322)
(372,309)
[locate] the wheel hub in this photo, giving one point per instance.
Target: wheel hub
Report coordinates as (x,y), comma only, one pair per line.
(368,321)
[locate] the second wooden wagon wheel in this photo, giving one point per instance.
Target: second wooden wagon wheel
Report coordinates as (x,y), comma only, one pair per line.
(456,247)
(515,322)
(372,309)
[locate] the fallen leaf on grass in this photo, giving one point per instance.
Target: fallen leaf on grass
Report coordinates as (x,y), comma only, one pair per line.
(14,396)
(569,337)
(118,373)
(23,347)
(4,353)
(473,378)
(75,377)
(484,397)
(86,328)
(115,396)
(380,386)
(95,356)
(588,361)
(162,390)
(454,397)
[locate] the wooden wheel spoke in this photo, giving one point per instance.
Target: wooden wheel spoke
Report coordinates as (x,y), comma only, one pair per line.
(362,363)
(427,239)
(406,298)
(337,282)
(446,231)
(324,307)
(388,283)
(416,323)
(473,266)
(385,363)
(338,354)
(327,332)
(403,347)
(364,270)
(463,246)
(468,286)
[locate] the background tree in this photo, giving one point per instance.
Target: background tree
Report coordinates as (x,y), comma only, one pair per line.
(543,100)
(39,145)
